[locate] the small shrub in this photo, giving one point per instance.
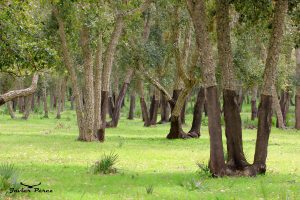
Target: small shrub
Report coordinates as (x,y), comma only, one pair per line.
(203,170)
(8,177)
(149,189)
(192,185)
(106,165)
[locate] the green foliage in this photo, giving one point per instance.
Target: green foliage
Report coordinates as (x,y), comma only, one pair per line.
(149,189)
(106,165)
(203,170)
(8,177)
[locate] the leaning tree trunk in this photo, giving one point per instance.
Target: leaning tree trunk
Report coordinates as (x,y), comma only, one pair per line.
(143,104)
(297,96)
(121,96)
(199,18)
(197,115)
(132,106)
(265,108)
(71,69)
(232,101)
(253,103)
(107,68)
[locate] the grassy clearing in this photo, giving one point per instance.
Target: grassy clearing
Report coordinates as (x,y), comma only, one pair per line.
(149,166)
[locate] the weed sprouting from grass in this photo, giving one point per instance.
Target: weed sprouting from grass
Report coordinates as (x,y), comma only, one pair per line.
(106,165)
(192,185)
(8,177)
(203,170)
(149,189)
(121,143)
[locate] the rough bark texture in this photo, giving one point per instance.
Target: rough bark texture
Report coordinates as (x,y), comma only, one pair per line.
(71,69)
(97,84)
(165,113)
(284,105)
(265,108)
(132,106)
(20,93)
(297,97)
(104,109)
(276,107)
(197,115)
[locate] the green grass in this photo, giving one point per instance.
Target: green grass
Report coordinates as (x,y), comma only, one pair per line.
(46,151)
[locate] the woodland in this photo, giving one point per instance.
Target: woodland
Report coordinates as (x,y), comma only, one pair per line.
(149,99)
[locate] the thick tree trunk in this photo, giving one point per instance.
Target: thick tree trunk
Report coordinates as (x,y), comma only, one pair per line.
(297,96)
(27,107)
(111,106)
(182,115)
(144,112)
(265,108)
(153,116)
(104,109)
(33,102)
(132,106)
(253,103)
(10,110)
(197,115)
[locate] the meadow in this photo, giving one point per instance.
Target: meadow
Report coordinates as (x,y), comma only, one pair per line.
(149,166)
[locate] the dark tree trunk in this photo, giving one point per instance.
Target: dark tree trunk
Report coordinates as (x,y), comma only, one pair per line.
(182,115)
(117,108)
(132,107)
(110,106)
(197,115)
(144,112)
(297,112)
(284,105)
(15,104)
(39,100)
(253,103)
(205,107)
(164,105)
(233,131)
(176,128)
(217,162)
(263,133)
(33,102)
(104,108)
(155,111)
(151,110)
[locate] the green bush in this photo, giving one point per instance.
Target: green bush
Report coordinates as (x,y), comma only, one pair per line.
(8,177)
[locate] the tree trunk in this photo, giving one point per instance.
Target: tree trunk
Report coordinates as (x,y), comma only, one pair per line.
(197,116)
(265,108)
(10,110)
(253,103)
(164,105)
(121,96)
(153,117)
(44,91)
(32,102)
(59,98)
(71,69)
(284,104)
(276,107)
(182,115)
(297,96)
(63,93)
(132,106)
(97,84)
(27,107)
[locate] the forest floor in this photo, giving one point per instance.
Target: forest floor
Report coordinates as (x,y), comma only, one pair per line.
(46,151)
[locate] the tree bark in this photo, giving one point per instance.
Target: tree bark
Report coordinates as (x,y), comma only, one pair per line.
(20,93)
(297,96)
(284,105)
(59,98)
(276,107)
(164,109)
(10,110)
(44,91)
(153,119)
(27,107)
(265,108)
(132,106)
(197,115)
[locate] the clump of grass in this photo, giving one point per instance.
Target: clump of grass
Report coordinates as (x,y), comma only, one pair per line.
(106,165)
(203,170)
(149,189)
(121,143)
(192,185)
(8,177)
